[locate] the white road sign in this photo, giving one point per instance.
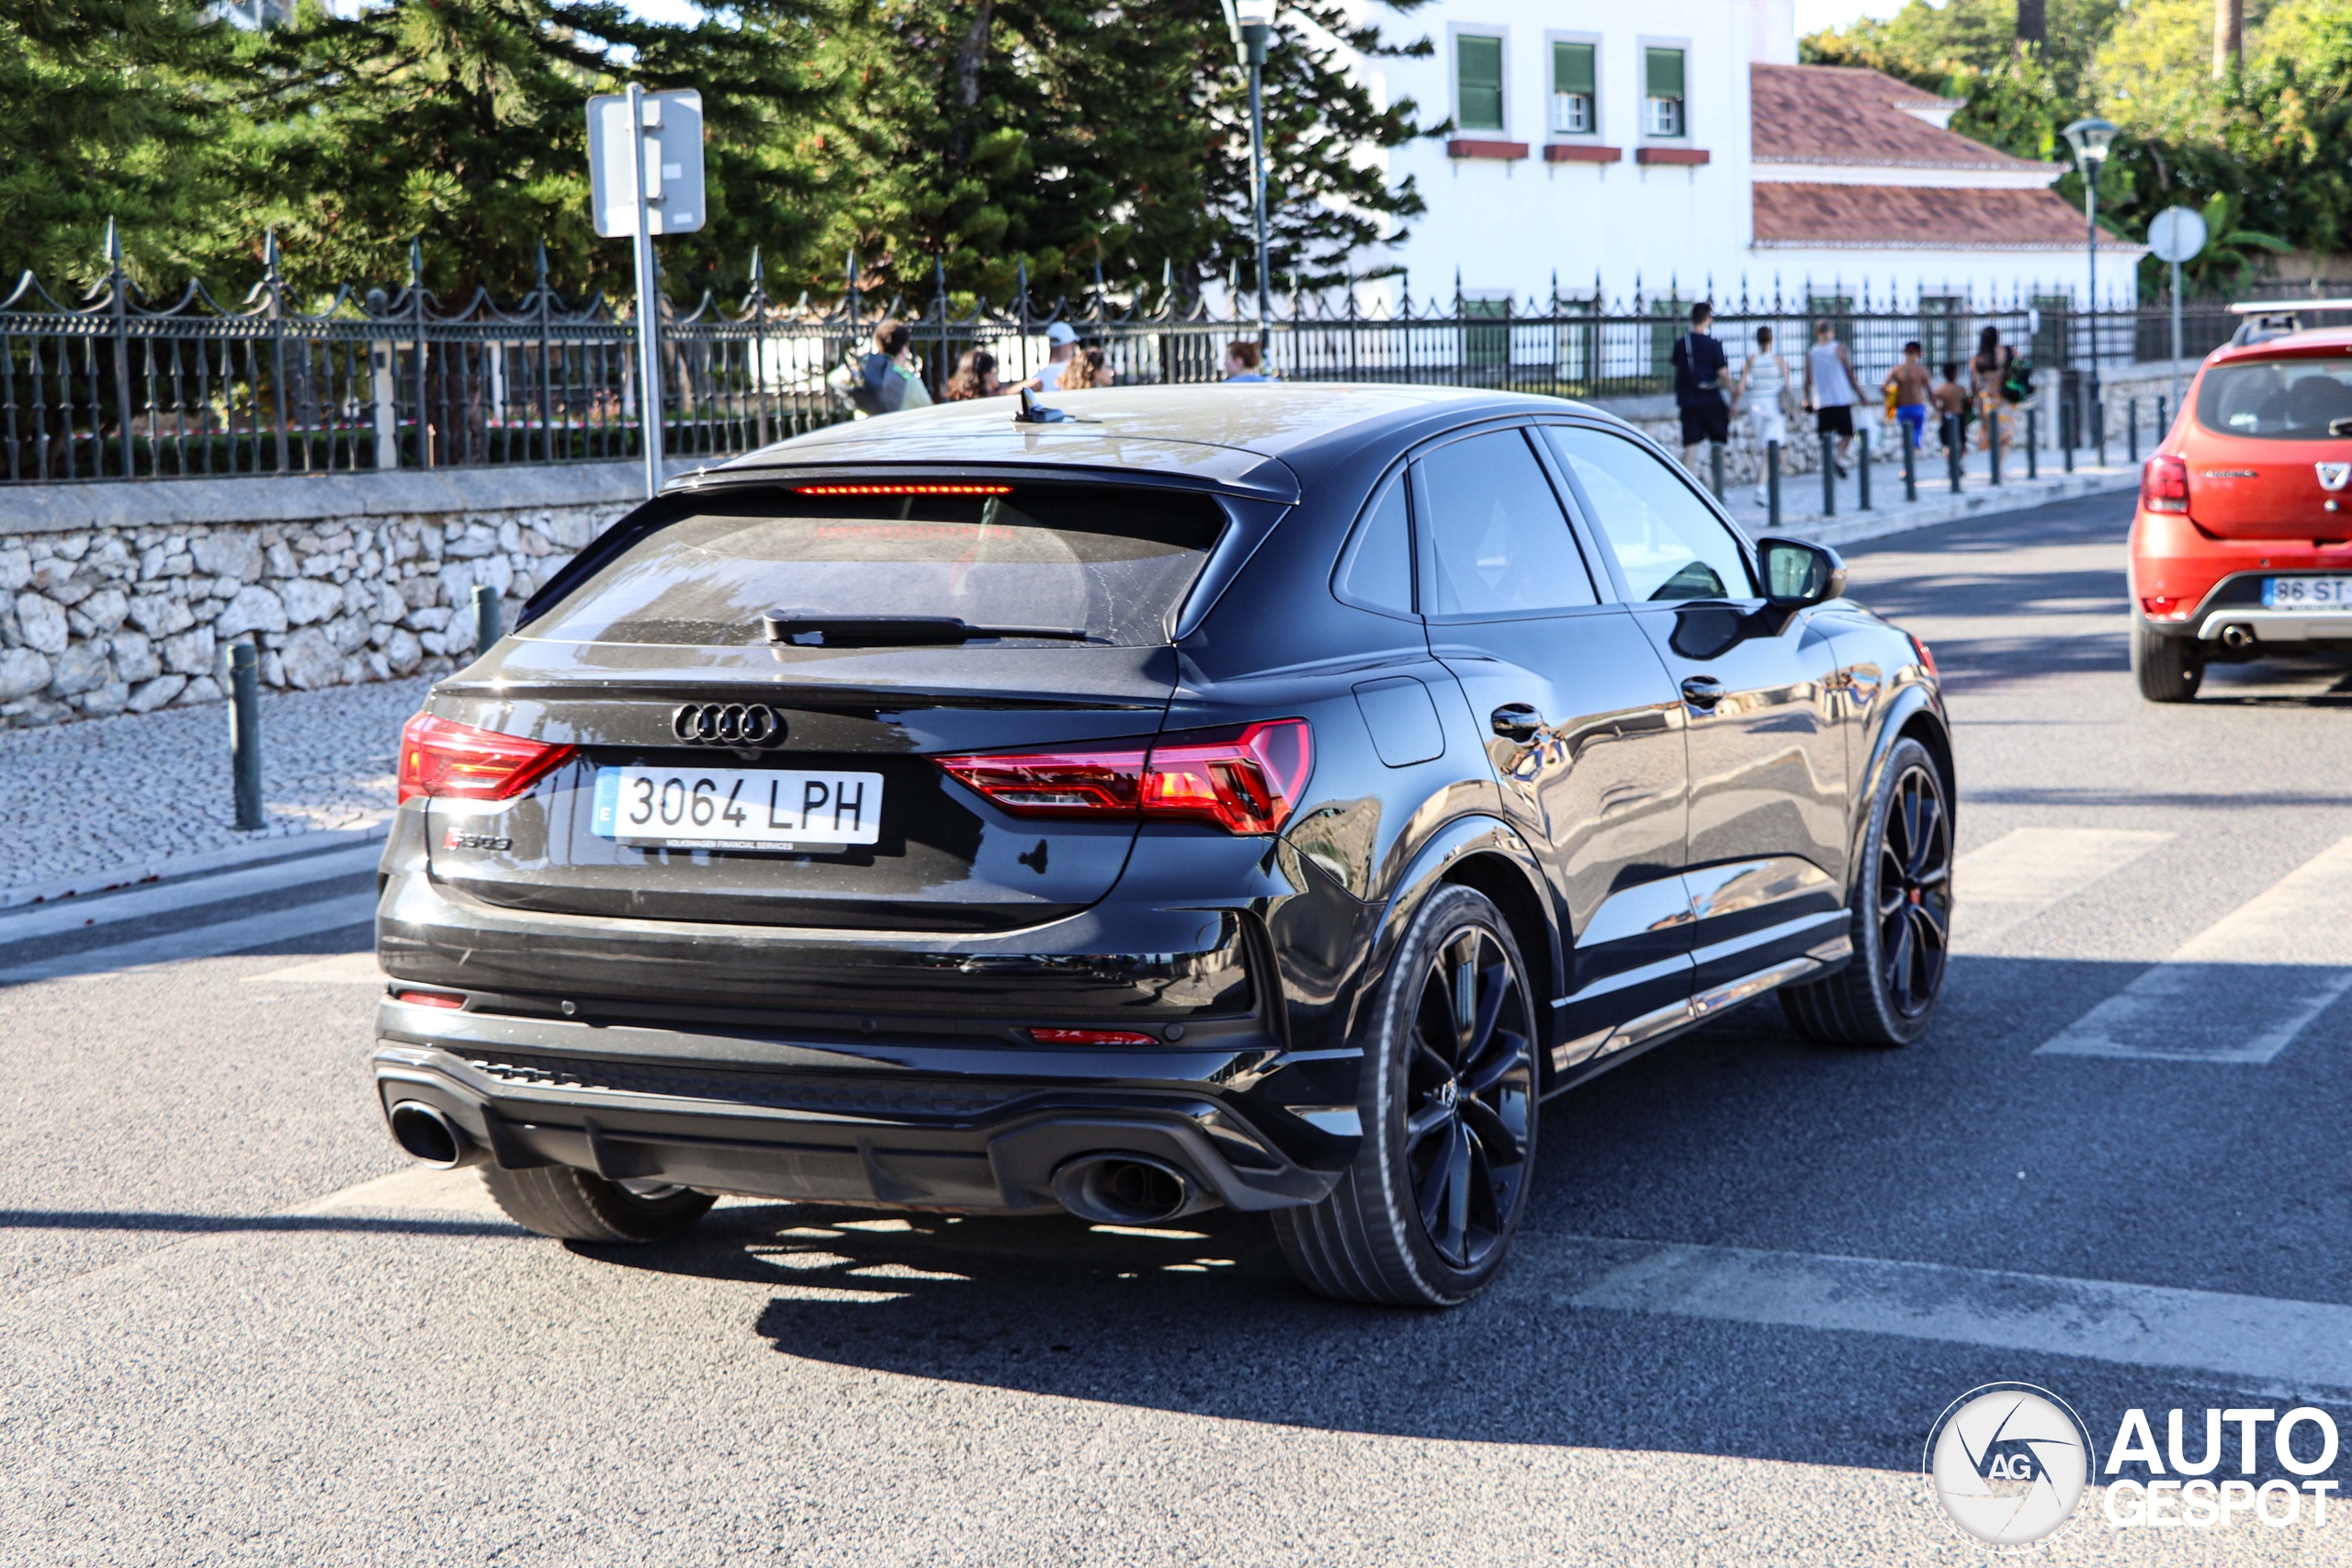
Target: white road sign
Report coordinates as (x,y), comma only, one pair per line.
(673,203)
(2178,235)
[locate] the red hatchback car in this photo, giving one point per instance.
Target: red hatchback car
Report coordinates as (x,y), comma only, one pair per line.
(2241,545)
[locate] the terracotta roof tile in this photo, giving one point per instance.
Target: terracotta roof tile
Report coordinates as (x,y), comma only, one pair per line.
(1917,218)
(1834,114)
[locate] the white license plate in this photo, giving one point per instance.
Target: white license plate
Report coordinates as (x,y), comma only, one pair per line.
(2307,592)
(727,808)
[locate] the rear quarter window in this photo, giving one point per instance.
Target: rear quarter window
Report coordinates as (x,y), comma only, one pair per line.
(1111,562)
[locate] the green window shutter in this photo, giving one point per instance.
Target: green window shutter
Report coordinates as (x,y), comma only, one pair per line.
(1665,74)
(1478,68)
(1572,68)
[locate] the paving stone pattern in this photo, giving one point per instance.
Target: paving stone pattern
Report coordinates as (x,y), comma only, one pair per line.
(134,619)
(84,798)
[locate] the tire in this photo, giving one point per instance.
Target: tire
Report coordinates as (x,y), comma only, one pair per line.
(2169,669)
(574,1205)
(1902,918)
(1425,1214)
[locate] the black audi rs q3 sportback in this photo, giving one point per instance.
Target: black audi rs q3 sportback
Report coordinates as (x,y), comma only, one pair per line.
(1259,798)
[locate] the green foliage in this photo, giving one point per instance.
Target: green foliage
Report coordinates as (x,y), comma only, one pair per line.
(103,114)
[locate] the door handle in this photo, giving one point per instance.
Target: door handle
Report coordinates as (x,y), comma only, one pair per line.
(1516,721)
(1702,691)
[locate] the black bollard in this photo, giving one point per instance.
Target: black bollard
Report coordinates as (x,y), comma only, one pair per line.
(1772,483)
(485,618)
(1828,475)
(245,734)
(1910,465)
(1862,466)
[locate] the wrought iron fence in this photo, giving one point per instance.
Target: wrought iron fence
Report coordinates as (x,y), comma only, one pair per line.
(122,387)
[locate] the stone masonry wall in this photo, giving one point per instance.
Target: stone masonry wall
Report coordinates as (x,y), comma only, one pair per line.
(134,616)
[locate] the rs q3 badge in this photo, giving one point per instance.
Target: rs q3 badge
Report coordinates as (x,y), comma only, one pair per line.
(2333,476)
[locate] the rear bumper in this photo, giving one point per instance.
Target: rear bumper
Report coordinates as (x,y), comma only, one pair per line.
(936,1125)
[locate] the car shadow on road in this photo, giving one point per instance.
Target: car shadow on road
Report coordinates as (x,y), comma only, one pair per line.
(1737,1135)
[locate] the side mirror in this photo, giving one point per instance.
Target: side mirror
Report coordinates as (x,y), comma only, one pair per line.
(1797,574)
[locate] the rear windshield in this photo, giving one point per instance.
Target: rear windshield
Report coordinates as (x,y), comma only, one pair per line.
(2280,400)
(1094,563)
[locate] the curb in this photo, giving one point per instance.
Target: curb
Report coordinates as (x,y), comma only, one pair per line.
(256,851)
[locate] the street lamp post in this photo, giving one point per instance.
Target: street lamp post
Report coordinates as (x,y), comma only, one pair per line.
(1254,21)
(2091,139)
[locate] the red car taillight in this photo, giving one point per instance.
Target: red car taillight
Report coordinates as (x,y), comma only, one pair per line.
(441,757)
(2163,484)
(1245,780)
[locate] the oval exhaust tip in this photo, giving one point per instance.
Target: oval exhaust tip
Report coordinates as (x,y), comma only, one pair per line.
(431,1137)
(1123,1190)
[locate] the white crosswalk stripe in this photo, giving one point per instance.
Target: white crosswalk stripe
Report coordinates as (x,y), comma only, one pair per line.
(2020,875)
(2242,990)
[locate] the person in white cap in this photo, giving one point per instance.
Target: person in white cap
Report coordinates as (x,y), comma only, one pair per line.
(1063,338)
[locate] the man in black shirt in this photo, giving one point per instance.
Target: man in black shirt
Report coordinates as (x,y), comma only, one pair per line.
(1698,365)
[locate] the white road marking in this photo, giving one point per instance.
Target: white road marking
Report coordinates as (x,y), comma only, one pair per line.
(343,969)
(201,942)
(2020,875)
(2243,989)
(75,914)
(2291,1344)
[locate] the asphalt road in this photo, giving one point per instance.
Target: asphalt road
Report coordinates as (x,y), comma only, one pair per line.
(234,1328)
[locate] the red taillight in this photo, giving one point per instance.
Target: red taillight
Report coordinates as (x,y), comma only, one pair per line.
(440,757)
(1926,657)
(2163,484)
(429,999)
(1245,780)
(1091,1037)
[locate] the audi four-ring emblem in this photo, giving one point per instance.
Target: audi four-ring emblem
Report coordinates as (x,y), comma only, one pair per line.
(728,724)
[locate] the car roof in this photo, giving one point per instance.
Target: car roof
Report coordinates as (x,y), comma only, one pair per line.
(1259,438)
(2310,343)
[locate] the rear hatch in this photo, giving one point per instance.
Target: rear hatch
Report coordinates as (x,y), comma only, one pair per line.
(2266,435)
(757,689)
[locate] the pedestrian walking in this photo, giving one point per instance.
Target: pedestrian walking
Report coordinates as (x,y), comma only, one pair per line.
(1244,361)
(1061,340)
(975,377)
(1988,375)
(887,380)
(1764,390)
(1910,388)
(1830,387)
(1698,365)
(1951,407)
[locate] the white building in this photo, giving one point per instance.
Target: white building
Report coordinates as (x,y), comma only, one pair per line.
(1677,145)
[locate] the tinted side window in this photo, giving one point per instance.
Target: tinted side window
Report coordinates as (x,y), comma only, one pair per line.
(1377,569)
(1667,542)
(1498,543)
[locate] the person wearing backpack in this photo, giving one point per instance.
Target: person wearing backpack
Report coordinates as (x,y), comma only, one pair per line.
(885,380)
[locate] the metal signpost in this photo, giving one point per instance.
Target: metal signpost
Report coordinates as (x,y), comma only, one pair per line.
(2175,236)
(645,178)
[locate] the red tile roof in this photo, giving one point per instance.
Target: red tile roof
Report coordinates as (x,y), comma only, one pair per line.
(1834,114)
(1917,218)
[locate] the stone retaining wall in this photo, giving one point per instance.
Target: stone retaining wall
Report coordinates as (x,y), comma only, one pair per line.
(119,598)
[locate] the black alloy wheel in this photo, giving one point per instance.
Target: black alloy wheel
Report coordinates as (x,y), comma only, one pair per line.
(1425,1214)
(1914,892)
(1470,1092)
(1902,916)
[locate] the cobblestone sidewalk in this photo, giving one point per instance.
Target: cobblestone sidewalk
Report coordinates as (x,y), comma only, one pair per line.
(83,799)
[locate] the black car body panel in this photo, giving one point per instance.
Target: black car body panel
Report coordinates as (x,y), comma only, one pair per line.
(860,1026)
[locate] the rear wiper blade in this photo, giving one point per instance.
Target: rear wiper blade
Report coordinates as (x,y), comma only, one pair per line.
(783,626)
